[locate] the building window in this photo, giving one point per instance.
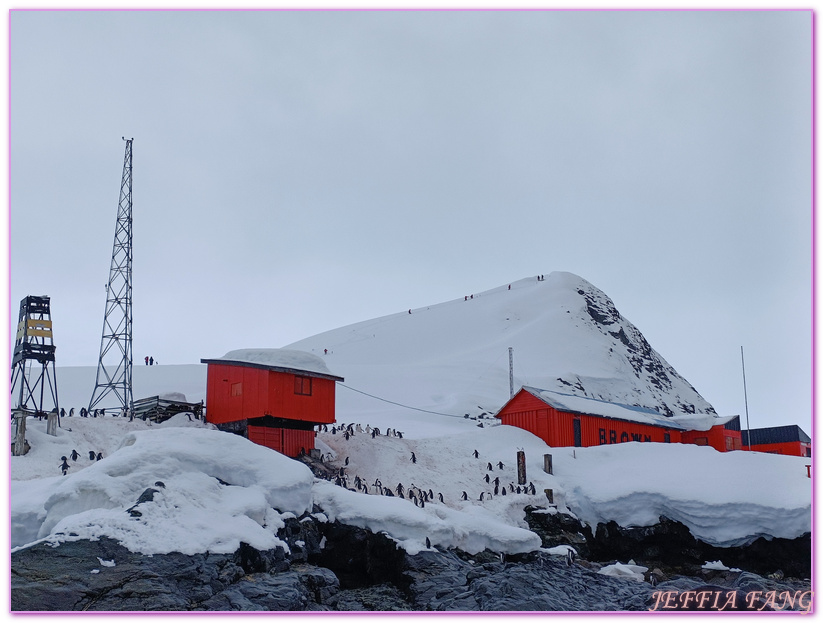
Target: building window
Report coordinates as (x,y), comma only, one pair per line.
(302,385)
(667,438)
(701,441)
(237,389)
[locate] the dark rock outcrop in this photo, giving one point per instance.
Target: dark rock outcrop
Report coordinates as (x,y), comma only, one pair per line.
(331,566)
(669,544)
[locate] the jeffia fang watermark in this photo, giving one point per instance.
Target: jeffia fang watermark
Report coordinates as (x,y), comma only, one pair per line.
(728,599)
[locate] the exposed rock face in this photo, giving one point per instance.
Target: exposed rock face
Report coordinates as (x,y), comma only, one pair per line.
(669,543)
(353,570)
(670,393)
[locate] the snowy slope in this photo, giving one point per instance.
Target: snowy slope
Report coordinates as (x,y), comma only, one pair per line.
(452,357)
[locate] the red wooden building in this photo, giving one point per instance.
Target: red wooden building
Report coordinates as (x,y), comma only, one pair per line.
(789,440)
(275,397)
(566,420)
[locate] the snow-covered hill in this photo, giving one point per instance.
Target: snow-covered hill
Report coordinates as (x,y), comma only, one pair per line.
(452,357)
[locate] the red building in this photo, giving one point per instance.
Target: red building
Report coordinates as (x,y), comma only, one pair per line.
(275,397)
(789,440)
(565,420)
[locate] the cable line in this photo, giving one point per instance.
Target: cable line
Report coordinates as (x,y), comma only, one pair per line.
(397,403)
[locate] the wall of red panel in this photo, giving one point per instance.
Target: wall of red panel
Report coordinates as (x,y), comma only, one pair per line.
(284,440)
(241,392)
(790,448)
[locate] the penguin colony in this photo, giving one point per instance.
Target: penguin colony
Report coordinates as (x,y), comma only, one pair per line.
(417,495)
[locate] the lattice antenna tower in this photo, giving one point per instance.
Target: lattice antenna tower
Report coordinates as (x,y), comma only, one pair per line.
(115,364)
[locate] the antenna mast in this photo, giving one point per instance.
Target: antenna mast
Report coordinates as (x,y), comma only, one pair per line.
(746,400)
(115,363)
(511,374)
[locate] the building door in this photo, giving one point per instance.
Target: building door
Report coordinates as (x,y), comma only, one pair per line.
(578,440)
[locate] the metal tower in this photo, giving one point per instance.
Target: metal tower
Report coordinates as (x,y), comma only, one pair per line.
(115,363)
(34,343)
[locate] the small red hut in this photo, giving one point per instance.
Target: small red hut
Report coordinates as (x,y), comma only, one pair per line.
(566,420)
(273,396)
(790,440)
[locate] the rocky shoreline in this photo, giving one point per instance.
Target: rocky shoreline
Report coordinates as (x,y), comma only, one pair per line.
(332,566)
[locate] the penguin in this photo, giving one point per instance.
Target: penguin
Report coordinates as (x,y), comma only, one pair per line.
(399,488)
(440,495)
(486,478)
(160,484)
(92,456)
(511,487)
(346,435)
(428,543)
(476,454)
(422,503)
(489,467)
(465,497)
(496,489)
(347,460)
(503,491)
(64,465)
(481,496)
(74,455)
(652,579)
(413,458)
(71,412)
(500,464)
(517,489)
(62,412)
(372,434)
(399,435)
(99,456)
(431,494)
(497,480)
(570,556)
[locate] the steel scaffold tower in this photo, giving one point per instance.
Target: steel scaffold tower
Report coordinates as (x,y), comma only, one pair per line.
(34,343)
(115,363)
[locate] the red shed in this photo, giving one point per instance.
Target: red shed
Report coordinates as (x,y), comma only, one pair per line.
(789,440)
(566,420)
(273,396)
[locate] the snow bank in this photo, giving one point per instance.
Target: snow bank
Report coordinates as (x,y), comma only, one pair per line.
(626,571)
(217,489)
(726,499)
(472,530)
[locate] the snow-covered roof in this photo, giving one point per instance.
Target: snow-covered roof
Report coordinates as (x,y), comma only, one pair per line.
(628,413)
(277,359)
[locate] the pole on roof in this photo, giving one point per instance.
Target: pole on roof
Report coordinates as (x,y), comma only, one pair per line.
(746,401)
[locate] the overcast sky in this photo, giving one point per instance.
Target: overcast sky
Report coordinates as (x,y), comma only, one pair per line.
(295,172)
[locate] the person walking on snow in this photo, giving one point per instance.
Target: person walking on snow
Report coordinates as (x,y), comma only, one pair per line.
(147,360)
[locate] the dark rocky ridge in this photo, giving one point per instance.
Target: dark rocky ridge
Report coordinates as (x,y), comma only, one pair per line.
(354,570)
(646,363)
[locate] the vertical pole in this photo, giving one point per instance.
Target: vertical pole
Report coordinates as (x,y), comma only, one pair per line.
(547,463)
(746,401)
(20,436)
(521,467)
(511,374)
